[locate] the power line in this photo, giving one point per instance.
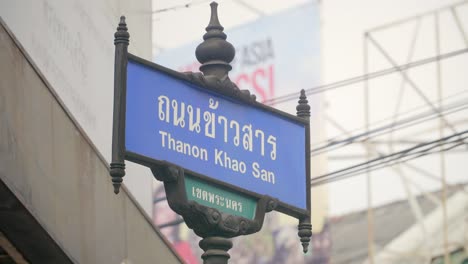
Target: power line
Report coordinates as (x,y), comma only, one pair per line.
(251,8)
(178,221)
(187,5)
(385,164)
(382,165)
(416,151)
(405,155)
(394,126)
(350,157)
(357,79)
(336,138)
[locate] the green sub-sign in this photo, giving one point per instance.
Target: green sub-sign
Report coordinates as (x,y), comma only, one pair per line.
(224,200)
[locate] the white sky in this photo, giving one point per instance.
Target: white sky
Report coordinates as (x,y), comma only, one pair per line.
(342,29)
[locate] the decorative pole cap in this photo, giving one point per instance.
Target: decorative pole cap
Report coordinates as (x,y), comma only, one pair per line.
(305,233)
(121,35)
(215,53)
(303,107)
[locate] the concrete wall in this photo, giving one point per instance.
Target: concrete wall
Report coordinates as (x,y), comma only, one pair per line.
(50,165)
(71,41)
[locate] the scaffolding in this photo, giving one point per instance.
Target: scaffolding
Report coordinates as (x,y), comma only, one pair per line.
(445,123)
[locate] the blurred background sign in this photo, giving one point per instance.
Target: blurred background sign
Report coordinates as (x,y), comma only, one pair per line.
(275,55)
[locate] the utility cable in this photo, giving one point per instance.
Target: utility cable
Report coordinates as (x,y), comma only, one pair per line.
(394,126)
(384,165)
(187,5)
(337,137)
(405,155)
(357,79)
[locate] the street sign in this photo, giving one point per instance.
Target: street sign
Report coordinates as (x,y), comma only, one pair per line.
(245,145)
(224,200)
(225,159)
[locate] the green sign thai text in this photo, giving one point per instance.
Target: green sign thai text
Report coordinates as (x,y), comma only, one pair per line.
(224,200)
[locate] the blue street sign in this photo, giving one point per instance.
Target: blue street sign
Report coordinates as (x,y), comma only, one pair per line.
(170,119)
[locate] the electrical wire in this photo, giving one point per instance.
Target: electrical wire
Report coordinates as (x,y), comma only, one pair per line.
(337,137)
(187,5)
(384,165)
(381,165)
(178,221)
(357,79)
(402,156)
(404,123)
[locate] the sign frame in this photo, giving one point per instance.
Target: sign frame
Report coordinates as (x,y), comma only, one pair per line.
(207,222)
(224,91)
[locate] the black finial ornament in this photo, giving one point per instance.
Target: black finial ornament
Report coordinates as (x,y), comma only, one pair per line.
(117,172)
(303,107)
(215,53)
(304,233)
(122,35)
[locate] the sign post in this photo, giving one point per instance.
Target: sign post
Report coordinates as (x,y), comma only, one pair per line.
(224,158)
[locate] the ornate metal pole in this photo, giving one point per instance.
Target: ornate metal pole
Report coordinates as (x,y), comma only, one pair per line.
(216,249)
(117,166)
(214,226)
(305,227)
(215,54)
